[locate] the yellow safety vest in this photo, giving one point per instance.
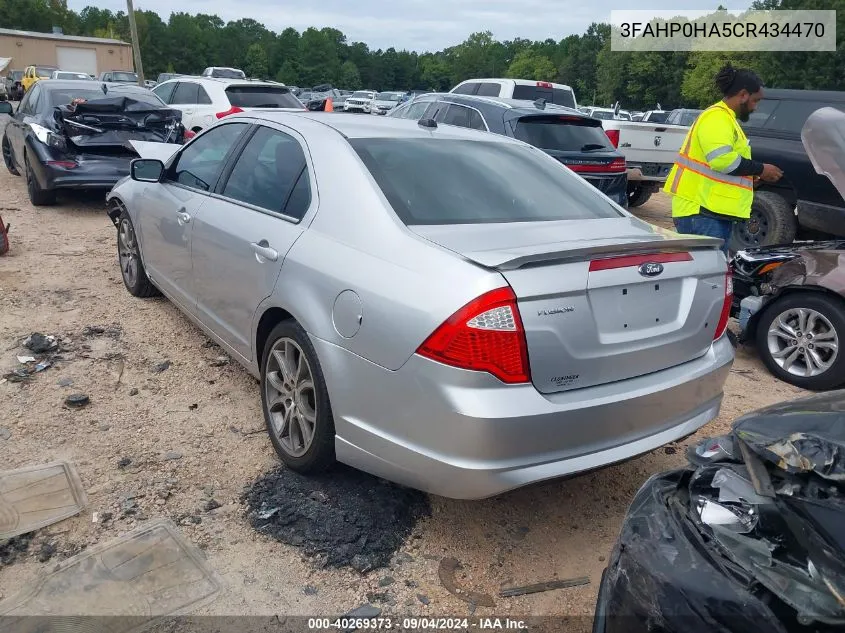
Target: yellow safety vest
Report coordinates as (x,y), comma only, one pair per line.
(699,178)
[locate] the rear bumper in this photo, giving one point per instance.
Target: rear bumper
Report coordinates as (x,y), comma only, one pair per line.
(91,171)
(466,435)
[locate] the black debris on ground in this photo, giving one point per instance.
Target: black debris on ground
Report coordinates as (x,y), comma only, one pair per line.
(77,400)
(343,517)
(160,367)
(113,331)
(14,548)
(40,344)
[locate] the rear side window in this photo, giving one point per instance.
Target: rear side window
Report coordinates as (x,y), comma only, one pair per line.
(467,88)
(262,97)
(790,116)
(165,91)
(557,134)
(461,116)
(202,96)
(457,181)
(488,89)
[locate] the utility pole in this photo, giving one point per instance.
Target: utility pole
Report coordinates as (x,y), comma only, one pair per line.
(136,47)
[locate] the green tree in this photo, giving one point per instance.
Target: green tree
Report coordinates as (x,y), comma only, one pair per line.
(318,57)
(256,61)
(531,65)
(350,78)
(290,73)
(698,87)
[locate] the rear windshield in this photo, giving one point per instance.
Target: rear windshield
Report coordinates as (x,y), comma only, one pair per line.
(262,97)
(124,77)
(64,96)
(604,116)
(558,96)
(556,134)
(657,117)
(456,181)
(228,73)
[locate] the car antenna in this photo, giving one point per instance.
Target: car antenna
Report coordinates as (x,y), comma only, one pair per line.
(427,123)
(540,103)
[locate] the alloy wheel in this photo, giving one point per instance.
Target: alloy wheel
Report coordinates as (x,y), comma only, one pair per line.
(803,342)
(291,397)
(127,250)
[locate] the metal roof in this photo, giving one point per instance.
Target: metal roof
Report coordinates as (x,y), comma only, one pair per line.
(62,37)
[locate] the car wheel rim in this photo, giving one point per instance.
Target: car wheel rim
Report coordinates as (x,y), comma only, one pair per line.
(291,397)
(127,250)
(803,342)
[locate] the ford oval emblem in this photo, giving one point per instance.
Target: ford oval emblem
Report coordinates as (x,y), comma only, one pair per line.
(650,269)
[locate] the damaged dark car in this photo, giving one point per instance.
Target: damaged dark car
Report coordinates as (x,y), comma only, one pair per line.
(78,135)
(748,538)
(790,299)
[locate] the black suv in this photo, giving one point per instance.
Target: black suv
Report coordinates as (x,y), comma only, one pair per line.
(576,140)
(803,204)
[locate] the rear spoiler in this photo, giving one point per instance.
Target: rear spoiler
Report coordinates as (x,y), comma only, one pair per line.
(592,249)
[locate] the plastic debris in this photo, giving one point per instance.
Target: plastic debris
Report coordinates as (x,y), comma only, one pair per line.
(26,359)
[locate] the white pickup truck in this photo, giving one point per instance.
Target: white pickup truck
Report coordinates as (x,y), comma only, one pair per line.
(650,150)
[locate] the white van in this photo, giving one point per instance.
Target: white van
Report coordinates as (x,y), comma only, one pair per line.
(518,89)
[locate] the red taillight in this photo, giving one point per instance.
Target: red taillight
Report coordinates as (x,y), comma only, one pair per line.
(618,165)
(189,134)
(726,307)
(67,164)
(544,84)
(232,110)
(484,335)
(613,135)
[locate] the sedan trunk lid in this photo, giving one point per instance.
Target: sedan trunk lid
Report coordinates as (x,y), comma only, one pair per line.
(600,300)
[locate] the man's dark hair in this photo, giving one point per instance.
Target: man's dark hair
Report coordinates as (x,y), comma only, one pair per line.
(731,81)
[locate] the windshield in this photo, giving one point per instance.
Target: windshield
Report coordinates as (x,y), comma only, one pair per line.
(456,181)
(228,73)
(554,134)
(128,77)
(262,97)
(362,95)
(44,72)
(72,76)
(388,96)
(64,96)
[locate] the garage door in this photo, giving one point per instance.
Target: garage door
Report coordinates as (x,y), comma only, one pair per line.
(80,60)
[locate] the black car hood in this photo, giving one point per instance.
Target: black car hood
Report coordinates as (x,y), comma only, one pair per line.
(114,121)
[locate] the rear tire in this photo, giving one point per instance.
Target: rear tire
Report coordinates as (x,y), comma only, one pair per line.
(295,401)
(772,221)
(131,265)
(8,159)
(638,195)
(37,196)
(825,321)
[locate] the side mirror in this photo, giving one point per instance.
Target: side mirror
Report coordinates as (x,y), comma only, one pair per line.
(146,169)
(6,108)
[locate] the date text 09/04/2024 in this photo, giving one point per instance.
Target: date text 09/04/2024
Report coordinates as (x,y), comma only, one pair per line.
(415,624)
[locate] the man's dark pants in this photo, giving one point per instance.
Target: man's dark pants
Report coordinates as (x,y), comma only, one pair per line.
(706,225)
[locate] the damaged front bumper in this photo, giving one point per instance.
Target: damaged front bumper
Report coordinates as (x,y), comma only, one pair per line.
(749,538)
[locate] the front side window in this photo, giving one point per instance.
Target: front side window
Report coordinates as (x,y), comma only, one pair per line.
(200,163)
(469,185)
(186,93)
(416,109)
(267,174)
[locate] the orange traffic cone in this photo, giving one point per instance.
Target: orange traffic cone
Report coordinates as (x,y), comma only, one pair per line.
(329,107)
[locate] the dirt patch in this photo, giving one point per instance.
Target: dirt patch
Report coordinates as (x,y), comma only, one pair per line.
(340,518)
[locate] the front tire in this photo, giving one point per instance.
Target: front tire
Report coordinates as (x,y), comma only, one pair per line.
(131,265)
(798,338)
(772,221)
(295,401)
(37,196)
(8,159)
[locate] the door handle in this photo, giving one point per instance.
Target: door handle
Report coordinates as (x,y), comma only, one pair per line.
(262,250)
(184,216)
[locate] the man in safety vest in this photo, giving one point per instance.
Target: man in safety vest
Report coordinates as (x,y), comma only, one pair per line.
(712,180)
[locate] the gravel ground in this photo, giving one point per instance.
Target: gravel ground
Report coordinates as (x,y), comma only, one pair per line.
(185,440)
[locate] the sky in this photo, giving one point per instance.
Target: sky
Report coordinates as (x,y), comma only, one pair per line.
(418,25)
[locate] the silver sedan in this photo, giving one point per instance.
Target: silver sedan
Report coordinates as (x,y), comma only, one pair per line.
(445,308)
